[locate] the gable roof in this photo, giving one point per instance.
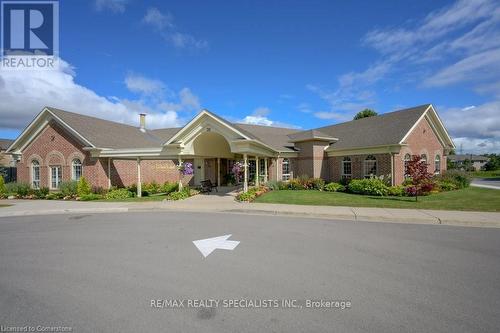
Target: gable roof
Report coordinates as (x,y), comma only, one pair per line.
(385,129)
(5,143)
(109,134)
(275,137)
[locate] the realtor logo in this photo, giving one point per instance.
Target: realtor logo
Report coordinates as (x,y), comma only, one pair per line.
(29,34)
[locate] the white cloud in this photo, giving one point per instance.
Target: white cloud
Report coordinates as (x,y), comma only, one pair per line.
(259,117)
(257,120)
(481,67)
(140,84)
(157,19)
(117,6)
(163,23)
(24,93)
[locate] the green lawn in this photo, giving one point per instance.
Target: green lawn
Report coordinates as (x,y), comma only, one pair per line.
(469,199)
(486,174)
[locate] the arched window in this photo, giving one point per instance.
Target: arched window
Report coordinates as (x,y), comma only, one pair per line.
(423,158)
(437,164)
(407,160)
(285,169)
(35,174)
(346,168)
(370,166)
(76,169)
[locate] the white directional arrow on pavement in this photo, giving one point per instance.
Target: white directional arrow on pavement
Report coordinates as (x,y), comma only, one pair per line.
(207,246)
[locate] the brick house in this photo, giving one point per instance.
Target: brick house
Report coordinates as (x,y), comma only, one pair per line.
(59,146)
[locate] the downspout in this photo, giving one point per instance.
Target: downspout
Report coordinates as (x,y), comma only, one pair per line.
(393,174)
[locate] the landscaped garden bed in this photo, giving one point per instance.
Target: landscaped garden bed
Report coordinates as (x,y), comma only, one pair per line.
(82,191)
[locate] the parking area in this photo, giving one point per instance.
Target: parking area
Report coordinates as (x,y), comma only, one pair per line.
(102,272)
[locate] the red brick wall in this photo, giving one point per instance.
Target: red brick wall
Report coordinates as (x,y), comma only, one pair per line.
(55,146)
(357,166)
(312,160)
(422,140)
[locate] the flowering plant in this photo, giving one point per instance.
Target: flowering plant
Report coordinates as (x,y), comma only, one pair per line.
(237,171)
(186,168)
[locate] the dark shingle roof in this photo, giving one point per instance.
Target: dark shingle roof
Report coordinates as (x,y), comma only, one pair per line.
(386,129)
(463,157)
(275,137)
(5,143)
(109,134)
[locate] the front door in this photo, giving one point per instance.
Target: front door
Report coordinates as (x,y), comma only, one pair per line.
(199,171)
(210,168)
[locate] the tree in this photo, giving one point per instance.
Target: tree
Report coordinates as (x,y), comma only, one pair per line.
(83,187)
(365,113)
(421,179)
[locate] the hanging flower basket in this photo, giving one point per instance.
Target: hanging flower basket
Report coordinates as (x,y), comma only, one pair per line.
(186,169)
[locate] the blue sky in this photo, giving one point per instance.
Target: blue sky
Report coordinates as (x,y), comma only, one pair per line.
(295,63)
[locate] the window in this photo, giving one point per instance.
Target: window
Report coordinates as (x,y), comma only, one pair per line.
(370,166)
(76,169)
(251,170)
(55,177)
(35,174)
(346,168)
(407,160)
(262,169)
(423,157)
(285,169)
(437,164)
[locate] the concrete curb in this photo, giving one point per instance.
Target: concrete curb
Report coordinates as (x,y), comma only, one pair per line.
(65,211)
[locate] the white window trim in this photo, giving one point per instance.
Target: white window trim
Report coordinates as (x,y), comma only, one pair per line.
(437,159)
(365,162)
(59,180)
(285,176)
(342,169)
(33,175)
(73,165)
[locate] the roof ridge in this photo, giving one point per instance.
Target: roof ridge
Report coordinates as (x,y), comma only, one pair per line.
(87,116)
(377,116)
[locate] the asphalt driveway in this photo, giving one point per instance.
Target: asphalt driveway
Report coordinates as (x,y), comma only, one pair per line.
(99,273)
(487,183)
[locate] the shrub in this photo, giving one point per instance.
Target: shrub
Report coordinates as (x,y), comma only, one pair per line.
(318,184)
(83,187)
(151,188)
(295,184)
(91,196)
(168,187)
(370,186)
(121,193)
(461,179)
(3,188)
(179,195)
(248,196)
(99,190)
(18,189)
(396,191)
(69,188)
(55,196)
(41,193)
(334,187)
(446,185)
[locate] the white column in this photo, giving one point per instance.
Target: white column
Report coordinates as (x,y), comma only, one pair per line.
(277,169)
(245,173)
(139,185)
(257,180)
(109,173)
(218,171)
(265,171)
(180,174)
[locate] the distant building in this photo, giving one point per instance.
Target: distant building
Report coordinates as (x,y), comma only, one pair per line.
(461,161)
(6,159)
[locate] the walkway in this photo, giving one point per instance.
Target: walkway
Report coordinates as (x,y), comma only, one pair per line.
(493,183)
(223,202)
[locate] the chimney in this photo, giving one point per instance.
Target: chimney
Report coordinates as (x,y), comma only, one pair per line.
(142,122)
